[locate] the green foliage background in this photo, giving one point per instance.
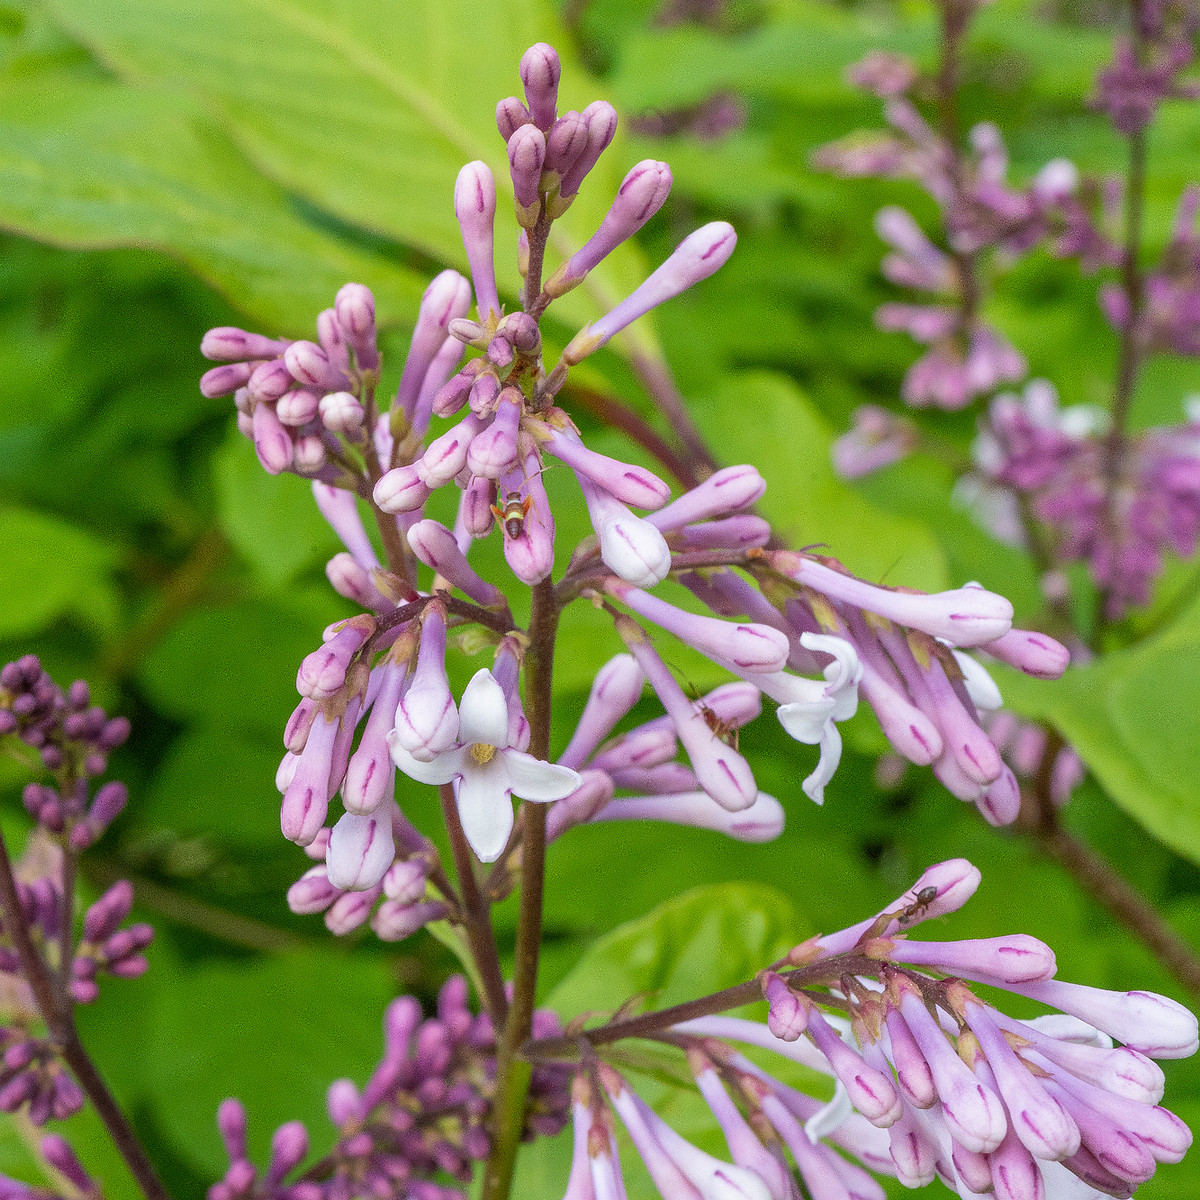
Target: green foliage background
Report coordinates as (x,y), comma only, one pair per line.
(168,165)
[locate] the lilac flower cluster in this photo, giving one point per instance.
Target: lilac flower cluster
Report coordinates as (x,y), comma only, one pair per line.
(73,739)
(981,213)
(1058,464)
(416,1128)
(930,1080)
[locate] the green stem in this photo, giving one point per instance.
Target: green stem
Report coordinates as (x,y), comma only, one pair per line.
(513,1071)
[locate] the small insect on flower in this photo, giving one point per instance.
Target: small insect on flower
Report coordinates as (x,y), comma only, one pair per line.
(512,513)
(923,899)
(723,731)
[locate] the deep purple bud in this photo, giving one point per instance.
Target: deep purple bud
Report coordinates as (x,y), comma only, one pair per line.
(355,308)
(526,153)
(600,121)
(511,114)
(103,917)
(272,443)
(227,344)
(224,381)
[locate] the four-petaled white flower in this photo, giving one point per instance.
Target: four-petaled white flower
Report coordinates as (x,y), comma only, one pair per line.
(809,708)
(485,770)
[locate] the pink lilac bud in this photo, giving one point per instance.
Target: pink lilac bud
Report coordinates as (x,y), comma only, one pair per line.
(530,554)
(1016,958)
(599,120)
(270,381)
(402,490)
(484,393)
(724,492)
(394,920)
(475,207)
(526,153)
(446,299)
(748,647)
(271,441)
(763,821)
(584,804)
(350,911)
(787,1013)
(912,1071)
(877,440)
(103,917)
(224,381)
(1038,1120)
(312,892)
(871,1091)
(355,308)
(446,456)
(475,514)
(342,413)
(640,196)
(695,259)
(566,141)
(506,671)
(298,407)
(615,690)
(1034,653)
(306,800)
(323,672)
(435,546)
(629,546)
(952,883)
(427,719)
(308,363)
(348,578)
(360,850)
(721,771)
(404,881)
(630,484)
(646,746)
(742,532)
(973,1111)
(444,365)
(540,73)
(339,508)
(494,450)
(227,344)
(333,341)
(669,778)
(966,616)
(511,114)
(1154,1025)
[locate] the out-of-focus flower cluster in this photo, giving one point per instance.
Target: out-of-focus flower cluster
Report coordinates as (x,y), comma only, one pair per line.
(418,1126)
(72,738)
(931,1081)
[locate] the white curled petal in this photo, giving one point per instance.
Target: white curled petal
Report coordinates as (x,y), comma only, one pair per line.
(805,720)
(440,770)
(981,687)
(842,676)
(483,712)
(485,808)
(829,1117)
(827,765)
(532,779)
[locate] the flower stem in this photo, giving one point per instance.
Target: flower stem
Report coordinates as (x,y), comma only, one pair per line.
(60,1024)
(477,917)
(512,1071)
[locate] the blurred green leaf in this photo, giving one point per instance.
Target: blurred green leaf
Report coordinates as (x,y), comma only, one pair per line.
(369,118)
(704,940)
(87,163)
(274,1033)
(1134,717)
(272,520)
(766,420)
(51,569)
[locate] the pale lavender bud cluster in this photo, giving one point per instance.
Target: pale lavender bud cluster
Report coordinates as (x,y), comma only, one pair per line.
(106,947)
(1130,89)
(1058,463)
(981,213)
(302,402)
(957,1089)
(419,1124)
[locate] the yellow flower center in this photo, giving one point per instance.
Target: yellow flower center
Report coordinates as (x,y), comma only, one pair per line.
(482,753)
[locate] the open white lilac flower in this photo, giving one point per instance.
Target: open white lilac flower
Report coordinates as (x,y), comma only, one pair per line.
(485,770)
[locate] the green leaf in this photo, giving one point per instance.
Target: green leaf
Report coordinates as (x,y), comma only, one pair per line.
(272,520)
(765,419)
(705,940)
(273,1033)
(368,113)
(1114,712)
(51,569)
(88,164)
